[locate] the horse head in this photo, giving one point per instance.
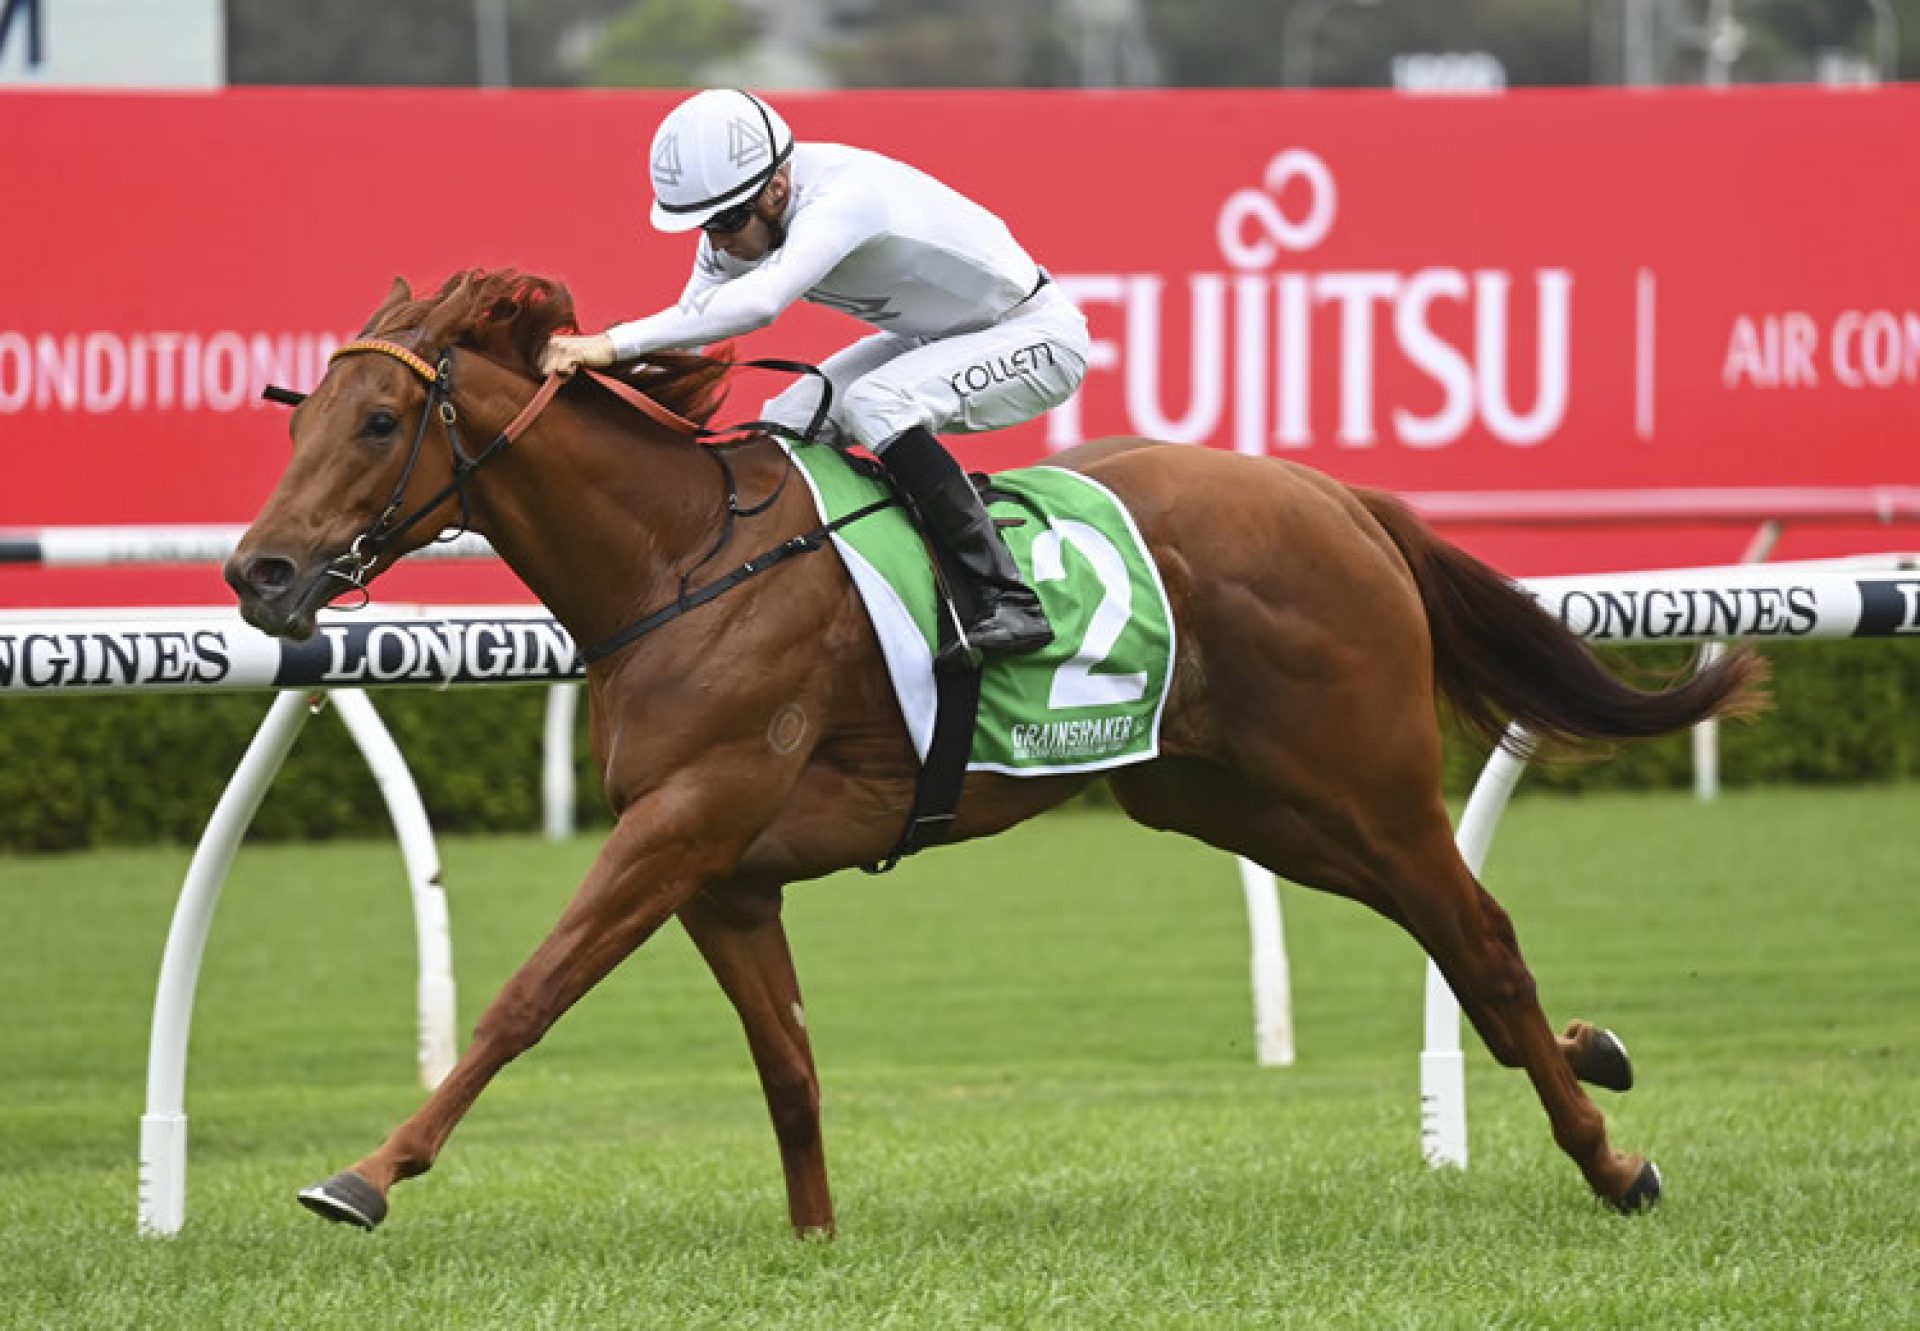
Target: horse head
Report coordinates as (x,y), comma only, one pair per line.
(379,462)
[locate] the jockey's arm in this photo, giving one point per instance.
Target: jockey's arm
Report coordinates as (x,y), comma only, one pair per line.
(566,353)
(712,311)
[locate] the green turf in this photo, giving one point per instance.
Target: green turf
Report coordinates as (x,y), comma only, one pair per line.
(1041,1104)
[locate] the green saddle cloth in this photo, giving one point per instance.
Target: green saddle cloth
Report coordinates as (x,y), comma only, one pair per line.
(1092,699)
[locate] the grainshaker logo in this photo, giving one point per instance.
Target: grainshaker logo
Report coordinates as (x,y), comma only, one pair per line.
(1070,741)
(1257,331)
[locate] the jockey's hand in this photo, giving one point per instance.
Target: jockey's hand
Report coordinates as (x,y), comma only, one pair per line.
(564,355)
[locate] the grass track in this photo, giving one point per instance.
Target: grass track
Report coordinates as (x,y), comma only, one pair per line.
(1041,1104)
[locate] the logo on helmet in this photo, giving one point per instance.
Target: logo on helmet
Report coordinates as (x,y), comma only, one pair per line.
(666,161)
(745,146)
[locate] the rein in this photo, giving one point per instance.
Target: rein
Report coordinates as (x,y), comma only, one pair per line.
(353,566)
(715,443)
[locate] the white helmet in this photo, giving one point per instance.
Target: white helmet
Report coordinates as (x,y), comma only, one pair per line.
(714,150)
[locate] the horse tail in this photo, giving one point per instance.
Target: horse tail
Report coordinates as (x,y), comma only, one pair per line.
(1498,654)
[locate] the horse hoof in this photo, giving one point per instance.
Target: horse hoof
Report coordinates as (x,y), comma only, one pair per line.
(1644,1195)
(1608,1065)
(347,1198)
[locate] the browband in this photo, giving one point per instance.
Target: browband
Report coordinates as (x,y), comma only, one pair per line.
(385,348)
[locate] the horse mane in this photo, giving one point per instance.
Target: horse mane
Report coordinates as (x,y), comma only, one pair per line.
(507,316)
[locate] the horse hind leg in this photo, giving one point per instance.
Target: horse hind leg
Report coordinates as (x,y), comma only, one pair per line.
(1594,1054)
(1472,939)
(740,934)
(1218,808)
(1406,867)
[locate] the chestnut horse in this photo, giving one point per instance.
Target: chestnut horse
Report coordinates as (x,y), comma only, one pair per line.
(755,742)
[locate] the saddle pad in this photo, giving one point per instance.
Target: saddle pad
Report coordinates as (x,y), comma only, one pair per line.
(1090,700)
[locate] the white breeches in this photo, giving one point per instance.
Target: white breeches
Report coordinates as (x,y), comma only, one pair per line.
(1028,363)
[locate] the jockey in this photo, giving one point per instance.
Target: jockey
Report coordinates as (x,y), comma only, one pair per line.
(972,335)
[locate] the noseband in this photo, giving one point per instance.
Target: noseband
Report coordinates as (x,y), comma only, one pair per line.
(354,566)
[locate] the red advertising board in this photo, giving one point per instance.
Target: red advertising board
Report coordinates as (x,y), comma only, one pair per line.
(1541,290)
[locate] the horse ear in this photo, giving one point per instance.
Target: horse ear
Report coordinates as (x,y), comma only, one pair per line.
(397,295)
(451,314)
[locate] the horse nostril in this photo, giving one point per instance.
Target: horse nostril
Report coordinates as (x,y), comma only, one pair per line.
(268,575)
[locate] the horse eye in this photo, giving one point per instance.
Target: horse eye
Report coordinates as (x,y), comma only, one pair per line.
(380,424)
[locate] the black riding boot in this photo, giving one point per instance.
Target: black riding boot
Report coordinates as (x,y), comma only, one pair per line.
(998,611)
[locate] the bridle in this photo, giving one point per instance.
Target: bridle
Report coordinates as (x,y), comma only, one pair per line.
(360,557)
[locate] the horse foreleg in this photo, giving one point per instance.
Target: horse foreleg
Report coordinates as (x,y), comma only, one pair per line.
(644,873)
(741,936)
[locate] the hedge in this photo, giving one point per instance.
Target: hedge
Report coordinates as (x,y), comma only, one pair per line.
(92,771)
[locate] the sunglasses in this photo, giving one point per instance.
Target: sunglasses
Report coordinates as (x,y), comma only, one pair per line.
(727,222)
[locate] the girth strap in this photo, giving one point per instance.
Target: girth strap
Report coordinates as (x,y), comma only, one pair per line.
(936,791)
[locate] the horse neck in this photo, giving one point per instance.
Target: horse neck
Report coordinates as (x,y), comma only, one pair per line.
(599,521)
